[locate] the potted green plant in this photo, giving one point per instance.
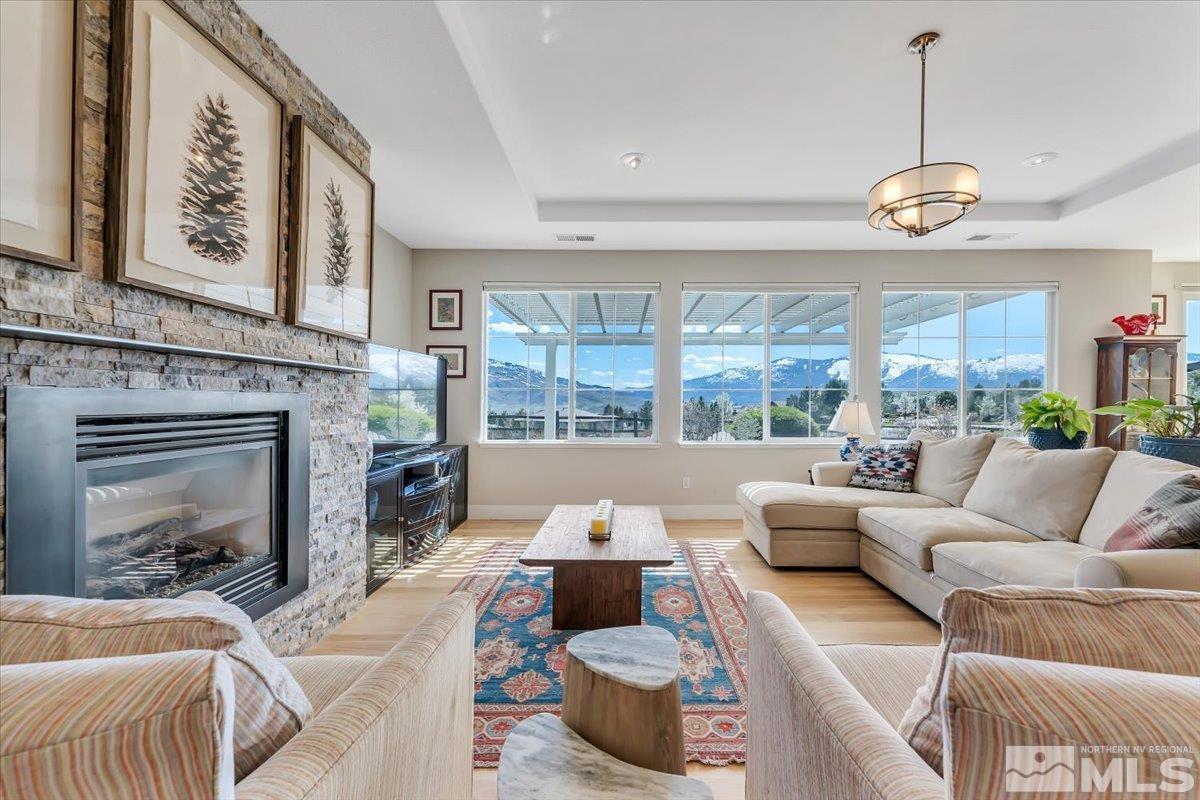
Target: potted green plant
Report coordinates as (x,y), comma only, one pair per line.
(1171,431)
(1053,421)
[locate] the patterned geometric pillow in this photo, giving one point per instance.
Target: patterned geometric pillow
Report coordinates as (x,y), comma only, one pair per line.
(1169,518)
(889,469)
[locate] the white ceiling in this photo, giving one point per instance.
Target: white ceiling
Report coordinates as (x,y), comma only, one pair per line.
(498,124)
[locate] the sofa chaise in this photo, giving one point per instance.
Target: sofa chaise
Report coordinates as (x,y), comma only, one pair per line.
(984,511)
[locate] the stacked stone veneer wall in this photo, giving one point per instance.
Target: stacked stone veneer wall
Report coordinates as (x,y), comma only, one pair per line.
(35,295)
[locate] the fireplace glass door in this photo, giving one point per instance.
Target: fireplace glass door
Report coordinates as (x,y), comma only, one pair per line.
(160,525)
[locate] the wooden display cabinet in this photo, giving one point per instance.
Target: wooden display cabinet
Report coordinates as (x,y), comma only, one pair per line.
(1130,367)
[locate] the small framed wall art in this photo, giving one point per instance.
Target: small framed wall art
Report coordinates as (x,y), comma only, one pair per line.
(455,355)
(41,126)
(196,151)
(1158,307)
(445,309)
(332,230)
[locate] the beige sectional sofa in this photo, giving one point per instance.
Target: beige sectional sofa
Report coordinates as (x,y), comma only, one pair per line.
(984,512)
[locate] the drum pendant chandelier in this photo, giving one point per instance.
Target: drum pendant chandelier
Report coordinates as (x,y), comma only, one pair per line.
(929,196)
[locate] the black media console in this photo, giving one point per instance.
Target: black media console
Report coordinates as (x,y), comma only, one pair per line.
(414,500)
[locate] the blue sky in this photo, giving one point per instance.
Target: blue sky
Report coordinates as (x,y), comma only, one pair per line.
(1193,326)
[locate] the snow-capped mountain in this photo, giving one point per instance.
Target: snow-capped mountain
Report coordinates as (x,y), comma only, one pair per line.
(589,397)
(900,371)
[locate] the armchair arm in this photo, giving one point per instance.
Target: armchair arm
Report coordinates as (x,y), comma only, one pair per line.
(157,725)
(1177,568)
(402,731)
(832,473)
(813,736)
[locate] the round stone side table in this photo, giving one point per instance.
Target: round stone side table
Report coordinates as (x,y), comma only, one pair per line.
(621,694)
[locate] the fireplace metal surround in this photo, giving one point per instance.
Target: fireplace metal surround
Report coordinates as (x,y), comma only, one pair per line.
(56,435)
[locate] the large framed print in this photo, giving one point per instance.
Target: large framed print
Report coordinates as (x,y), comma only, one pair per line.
(41,127)
(196,152)
(332,223)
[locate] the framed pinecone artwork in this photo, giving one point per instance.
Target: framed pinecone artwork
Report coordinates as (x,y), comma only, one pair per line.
(196,193)
(41,127)
(331,221)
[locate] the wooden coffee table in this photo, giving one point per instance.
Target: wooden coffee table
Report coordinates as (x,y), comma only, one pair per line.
(599,584)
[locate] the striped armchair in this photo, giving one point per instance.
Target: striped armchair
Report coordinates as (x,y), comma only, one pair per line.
(827,721)
(398,727)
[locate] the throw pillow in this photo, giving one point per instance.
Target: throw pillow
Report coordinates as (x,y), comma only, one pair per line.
(993,704)
(1169,518)
(1046,492)
(889,469)
(949,466)
(1138,629)
(152,726)
(270,705)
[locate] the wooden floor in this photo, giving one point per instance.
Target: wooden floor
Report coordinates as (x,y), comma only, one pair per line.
(835,606)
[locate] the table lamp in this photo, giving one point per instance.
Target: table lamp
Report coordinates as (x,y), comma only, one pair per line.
(854,420)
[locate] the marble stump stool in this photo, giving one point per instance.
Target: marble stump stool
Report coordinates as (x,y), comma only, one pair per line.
(621,694)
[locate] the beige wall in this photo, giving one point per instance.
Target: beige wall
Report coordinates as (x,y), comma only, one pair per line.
(1168,278)
(517,481)
(391,291)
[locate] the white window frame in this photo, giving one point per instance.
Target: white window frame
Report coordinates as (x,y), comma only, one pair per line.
(575,289)
(766,290)
(1050,289)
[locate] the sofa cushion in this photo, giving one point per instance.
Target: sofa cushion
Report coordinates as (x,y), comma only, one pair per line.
(948,467)
(886,675)
(270,706)
(992,703)
(888,469)
(325,678)
(911,532)
(149,726)
(1157,630)
(1046,492)
(1131,479)
(985,564)
(798,505)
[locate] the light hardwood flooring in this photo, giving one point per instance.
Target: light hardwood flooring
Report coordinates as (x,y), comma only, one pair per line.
(835,606)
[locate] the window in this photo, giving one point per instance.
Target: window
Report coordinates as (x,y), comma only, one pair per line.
(1192,309)
(567,364)
(962,361)
(779,356)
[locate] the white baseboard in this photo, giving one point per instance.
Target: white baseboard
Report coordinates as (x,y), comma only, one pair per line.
(541,512)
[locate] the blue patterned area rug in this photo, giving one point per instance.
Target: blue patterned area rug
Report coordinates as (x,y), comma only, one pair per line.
(519,659)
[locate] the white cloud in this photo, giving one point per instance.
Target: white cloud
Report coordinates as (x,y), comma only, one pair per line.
(511,328)
(647,371)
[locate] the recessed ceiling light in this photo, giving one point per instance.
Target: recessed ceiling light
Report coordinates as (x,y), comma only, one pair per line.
(634,160)
(1037,159)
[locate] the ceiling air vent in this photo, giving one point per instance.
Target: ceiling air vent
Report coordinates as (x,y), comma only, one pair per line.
(991,237)
(575,237)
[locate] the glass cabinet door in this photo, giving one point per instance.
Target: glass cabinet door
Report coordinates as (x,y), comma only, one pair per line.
(383,527)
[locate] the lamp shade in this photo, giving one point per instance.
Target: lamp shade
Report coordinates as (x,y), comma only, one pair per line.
(853,419)
(923,199)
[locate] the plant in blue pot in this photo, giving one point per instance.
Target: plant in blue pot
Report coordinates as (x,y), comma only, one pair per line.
(1167,431)
(1053,421)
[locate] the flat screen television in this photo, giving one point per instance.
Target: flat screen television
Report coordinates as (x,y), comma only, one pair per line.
(406,408)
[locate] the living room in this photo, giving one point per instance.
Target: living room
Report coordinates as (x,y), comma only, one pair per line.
(546,399)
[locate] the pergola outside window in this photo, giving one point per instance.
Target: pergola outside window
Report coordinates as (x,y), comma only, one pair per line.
(568,363)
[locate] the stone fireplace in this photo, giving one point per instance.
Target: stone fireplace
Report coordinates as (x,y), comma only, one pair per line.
(120,494)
